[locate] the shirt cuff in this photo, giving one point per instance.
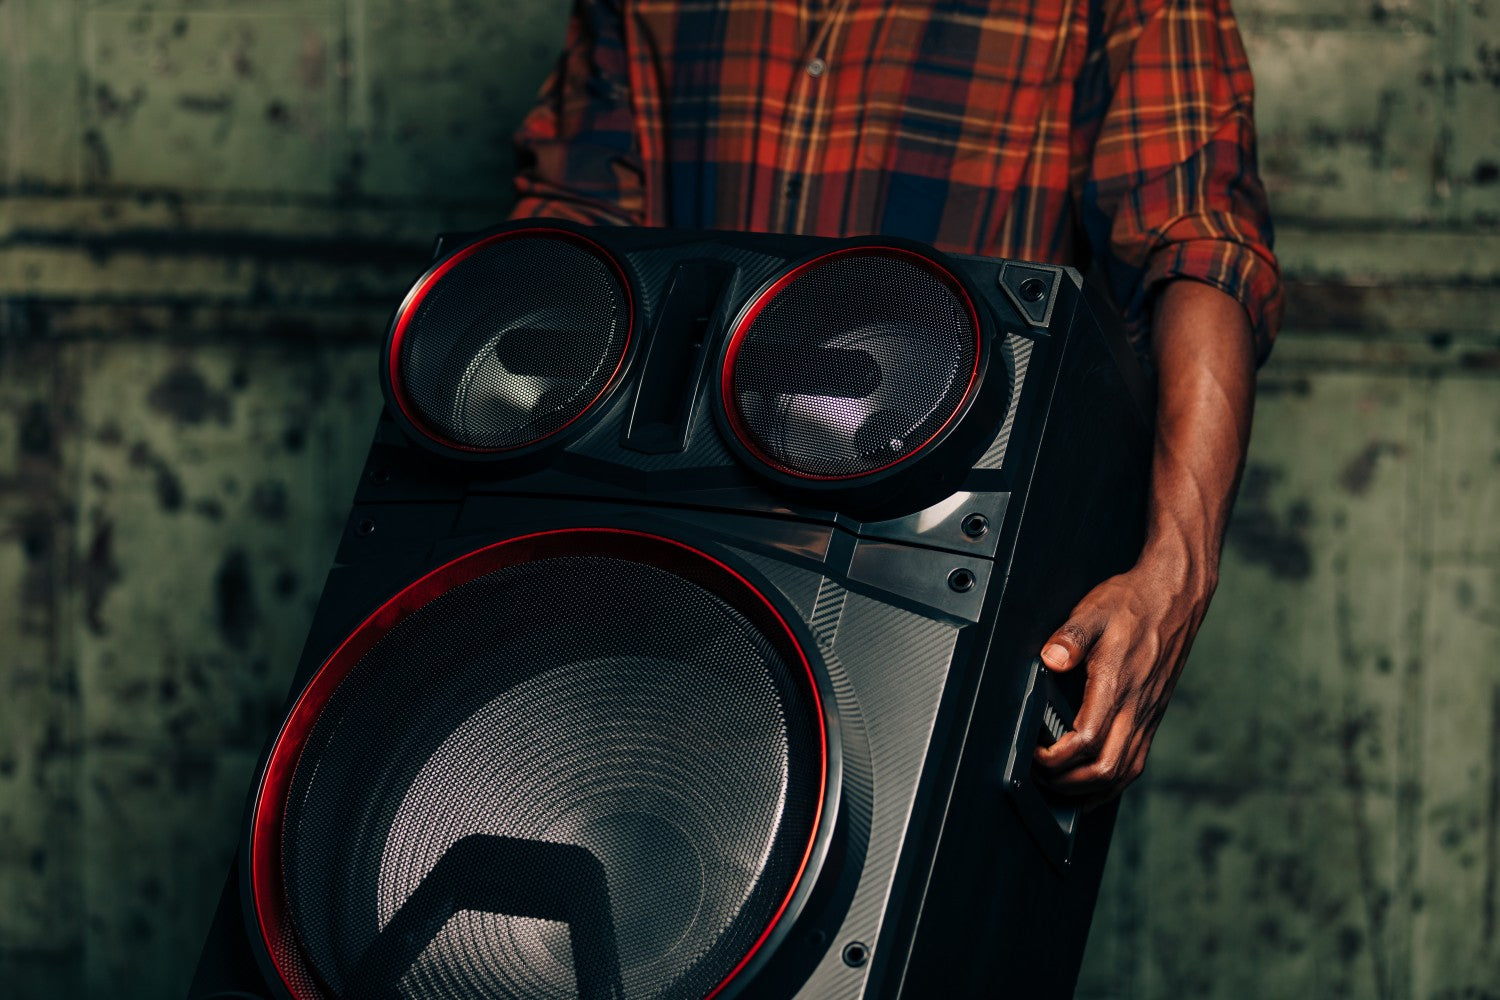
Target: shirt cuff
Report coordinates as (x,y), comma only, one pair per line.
(1246,271)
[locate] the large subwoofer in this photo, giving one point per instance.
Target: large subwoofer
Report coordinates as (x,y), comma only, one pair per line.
(613,693)
(681,642)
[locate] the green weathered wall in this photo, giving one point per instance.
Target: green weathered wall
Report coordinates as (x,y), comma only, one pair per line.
(209,209)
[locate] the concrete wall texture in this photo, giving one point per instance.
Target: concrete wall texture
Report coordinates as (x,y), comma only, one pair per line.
(210,206)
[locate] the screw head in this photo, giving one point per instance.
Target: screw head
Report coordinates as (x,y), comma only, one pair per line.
(856,954)
(975,525)
(961,580)
(365,528)
(380,477)
(1032,289)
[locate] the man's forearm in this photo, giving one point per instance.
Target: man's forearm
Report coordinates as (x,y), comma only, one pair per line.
(1134,630)
(1206,369)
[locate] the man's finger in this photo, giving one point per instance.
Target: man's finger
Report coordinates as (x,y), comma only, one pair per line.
(1105,772)
(1094,721)
(1070,645)
(1127,777)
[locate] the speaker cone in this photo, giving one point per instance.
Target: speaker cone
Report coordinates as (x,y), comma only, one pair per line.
(585,763)
(823,393)
(509,340)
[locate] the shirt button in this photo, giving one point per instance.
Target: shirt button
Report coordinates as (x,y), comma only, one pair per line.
(817,68)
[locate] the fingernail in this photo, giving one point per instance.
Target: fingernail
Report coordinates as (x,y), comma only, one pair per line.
(1054,656)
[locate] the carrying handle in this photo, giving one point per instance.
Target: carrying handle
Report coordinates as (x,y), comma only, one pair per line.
(1045,715)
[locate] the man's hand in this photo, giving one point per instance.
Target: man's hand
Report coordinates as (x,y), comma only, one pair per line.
(1133,631)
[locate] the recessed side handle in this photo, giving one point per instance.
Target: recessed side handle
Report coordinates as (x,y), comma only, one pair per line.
(1045,716)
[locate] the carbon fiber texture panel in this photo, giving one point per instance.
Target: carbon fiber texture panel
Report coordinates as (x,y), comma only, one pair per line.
(897,663)
(1016,353)
(802,587)
(892,669)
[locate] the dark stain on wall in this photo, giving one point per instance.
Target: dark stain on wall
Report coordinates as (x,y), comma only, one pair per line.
(234,595)
(184,394)
(1262,535)
(286,583)
(110,105)
(1350,941)
(1480,361)
(206,104)
(1463,593)
(268,500)
(1211,840)
(33,530)
(96,160)
(36,536)
(168,485)
(209,508)
(1492,832)
(1359,473)
(100,573)
(36,431)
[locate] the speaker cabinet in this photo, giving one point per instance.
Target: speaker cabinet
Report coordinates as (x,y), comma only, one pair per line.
(681,641)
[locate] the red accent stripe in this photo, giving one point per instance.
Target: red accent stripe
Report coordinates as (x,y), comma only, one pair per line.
(409,307)
(753,311)
(268,887)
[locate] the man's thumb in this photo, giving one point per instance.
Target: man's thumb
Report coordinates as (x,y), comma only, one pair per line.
(1069,645)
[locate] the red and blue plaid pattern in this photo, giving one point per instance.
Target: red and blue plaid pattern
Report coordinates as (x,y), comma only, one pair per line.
(1058,131)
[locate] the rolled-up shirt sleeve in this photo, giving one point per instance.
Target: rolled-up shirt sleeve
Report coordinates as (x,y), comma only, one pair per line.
(1173,189)
(577,155)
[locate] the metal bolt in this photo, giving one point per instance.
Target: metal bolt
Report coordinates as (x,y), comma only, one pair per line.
(975,525)
(1032,289)
(856,954)
(380,477)
(365,528)
(961,580)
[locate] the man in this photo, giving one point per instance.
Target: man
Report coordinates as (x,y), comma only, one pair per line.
(1118,131)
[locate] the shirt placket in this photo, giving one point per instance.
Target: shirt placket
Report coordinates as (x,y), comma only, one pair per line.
(800,148)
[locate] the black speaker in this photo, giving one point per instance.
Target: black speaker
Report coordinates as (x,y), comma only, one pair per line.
(681,642)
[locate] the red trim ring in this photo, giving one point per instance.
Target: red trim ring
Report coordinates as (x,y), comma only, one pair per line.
(753,311)
(266,878)
(408,310)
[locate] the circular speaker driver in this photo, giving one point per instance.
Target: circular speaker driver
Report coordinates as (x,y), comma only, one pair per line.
(509,340)
(851,364)
(582,763)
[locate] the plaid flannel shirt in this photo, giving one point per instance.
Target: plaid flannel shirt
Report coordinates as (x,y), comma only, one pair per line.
(1051,130)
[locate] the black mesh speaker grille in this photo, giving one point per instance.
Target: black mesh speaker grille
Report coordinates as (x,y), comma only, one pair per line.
(510,340)
(586,774)
(851,364)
